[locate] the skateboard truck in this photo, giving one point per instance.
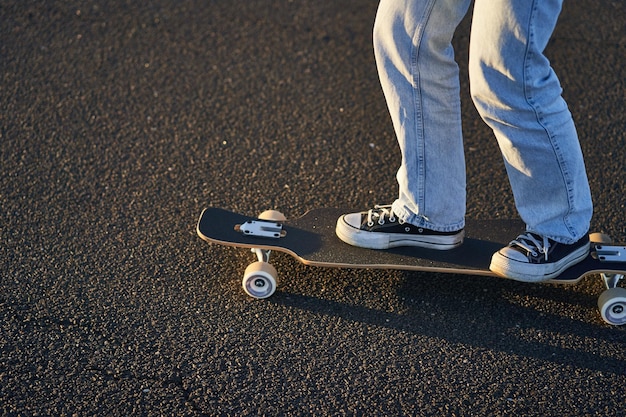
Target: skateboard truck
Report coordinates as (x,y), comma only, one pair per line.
(612,301)
(610,253)
(261,228)
(607,253)
(261,278)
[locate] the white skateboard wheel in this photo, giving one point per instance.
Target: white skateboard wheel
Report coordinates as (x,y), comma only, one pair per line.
(259,280)
(273,215)
(600,238)
(612,305)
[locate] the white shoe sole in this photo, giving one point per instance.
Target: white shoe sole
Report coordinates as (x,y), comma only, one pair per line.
(377,240)
(527,272)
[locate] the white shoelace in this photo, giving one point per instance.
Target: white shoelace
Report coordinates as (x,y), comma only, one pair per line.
(529,243)
(380,212)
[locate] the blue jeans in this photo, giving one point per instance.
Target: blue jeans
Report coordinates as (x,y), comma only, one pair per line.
(516,93)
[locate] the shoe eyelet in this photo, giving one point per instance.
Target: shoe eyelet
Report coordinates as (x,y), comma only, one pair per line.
(407,229)
(381,221)
(370,224)
(392,219)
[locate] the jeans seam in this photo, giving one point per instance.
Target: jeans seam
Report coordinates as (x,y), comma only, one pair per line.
(538,114)
(418,106)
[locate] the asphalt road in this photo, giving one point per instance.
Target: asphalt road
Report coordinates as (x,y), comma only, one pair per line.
(120,121)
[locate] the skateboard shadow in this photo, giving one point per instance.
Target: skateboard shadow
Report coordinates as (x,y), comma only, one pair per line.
(484,316)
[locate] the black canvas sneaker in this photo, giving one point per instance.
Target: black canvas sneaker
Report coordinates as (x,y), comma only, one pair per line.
(379,228)
(533,258)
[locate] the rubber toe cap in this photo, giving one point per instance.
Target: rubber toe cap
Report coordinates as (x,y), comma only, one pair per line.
(513,255)
(353,220)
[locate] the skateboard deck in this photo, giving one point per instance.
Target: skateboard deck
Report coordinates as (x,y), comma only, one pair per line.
(311,240)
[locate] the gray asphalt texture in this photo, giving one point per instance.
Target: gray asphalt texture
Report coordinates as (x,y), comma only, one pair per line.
(120,121)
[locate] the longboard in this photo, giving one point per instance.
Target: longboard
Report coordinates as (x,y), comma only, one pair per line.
(312,241)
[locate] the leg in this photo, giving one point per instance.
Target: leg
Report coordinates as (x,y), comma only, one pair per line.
(420,80)
(419,77)
(519,96)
